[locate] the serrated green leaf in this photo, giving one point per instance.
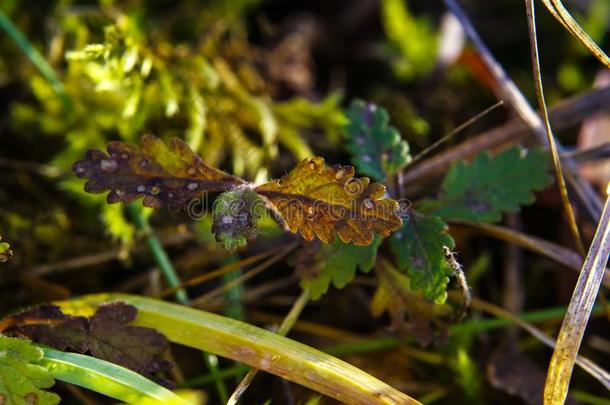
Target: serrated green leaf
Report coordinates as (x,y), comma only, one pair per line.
(21,382)
(376,148)
(337,263)
(418,249)
(487,187)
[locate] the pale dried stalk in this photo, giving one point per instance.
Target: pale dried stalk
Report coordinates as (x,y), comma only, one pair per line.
(579,311)
(561,183)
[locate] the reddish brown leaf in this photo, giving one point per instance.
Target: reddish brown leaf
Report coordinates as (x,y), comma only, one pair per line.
(105,335)
(313,199)
(164,176)
(319,201)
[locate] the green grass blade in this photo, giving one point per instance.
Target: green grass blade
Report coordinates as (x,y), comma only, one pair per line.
(106,378)
(259,348)
(35,57)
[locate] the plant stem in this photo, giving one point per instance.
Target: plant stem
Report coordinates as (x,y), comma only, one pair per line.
(389,342)
(561,182)
(234,371)
(159,253)
(168,271)
(285,327)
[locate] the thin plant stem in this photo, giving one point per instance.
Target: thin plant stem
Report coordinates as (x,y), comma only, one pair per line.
(562,15)
(159,254)
(455,131)
(285,327)
(226,268)
(167,270)
(561,182)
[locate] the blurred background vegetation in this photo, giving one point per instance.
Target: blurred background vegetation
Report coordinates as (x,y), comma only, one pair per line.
(253,86)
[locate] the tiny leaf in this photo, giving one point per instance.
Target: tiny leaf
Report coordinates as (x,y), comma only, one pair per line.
(164,176)
(376,148)
(419,251)
(21,382)
(5,251)
(236,213)
(106,335)
(487,187)
(335,263)
(319,201)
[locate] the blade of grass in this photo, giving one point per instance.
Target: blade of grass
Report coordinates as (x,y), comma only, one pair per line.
(562,15)
(254,346)
(561,183)
(285,327)
(35,57)
(168,271)
(579,311)
(105,378)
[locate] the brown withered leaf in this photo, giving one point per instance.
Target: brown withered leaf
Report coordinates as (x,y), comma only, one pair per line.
(314,199)
(164,176)
(320,201)
(105,335)
(410,312)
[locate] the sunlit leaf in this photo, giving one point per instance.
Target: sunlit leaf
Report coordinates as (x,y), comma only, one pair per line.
(418,249)
(163,176)
(254,346)
(335,263)
(106,335)
(319,201)
(21,382)
(313,199)
(487,187)
(5,251)
(376,148)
